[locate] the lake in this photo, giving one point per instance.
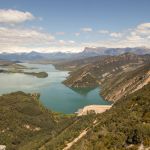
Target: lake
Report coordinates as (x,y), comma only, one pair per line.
(54,95)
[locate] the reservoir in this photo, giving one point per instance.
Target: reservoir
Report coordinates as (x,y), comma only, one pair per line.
(54,95)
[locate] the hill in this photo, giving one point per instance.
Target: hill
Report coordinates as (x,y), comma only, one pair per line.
(26,124)
(125,126)
(114,74)
(22,118)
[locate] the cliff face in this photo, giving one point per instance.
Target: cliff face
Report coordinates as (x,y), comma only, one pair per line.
(85,80)
(125,83)
(117,75)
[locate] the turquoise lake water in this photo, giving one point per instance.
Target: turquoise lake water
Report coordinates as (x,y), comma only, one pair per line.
(54,95)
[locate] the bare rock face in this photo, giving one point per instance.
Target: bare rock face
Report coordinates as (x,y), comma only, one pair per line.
(131,82)
(85,80)
(2,147)
(118,76)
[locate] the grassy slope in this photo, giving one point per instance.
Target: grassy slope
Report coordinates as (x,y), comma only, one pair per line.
(128,122)
(26,124)
(18,110)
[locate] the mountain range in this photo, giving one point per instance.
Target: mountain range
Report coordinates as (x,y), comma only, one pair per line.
(87,52)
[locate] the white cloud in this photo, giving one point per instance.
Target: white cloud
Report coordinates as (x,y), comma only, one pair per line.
(22,35)
(66,43)
(77,34)
(87,29)
(143,29)
(103,31)
(115,34)
(72,42)
(140,33)
(137,37)
(17,39)
(10,38)
(26,40)
(10,16)
(62,42)
(112,34)
(60,33)
(134,38)
(143,26)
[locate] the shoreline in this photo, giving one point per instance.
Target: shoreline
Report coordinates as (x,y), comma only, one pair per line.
(93,109)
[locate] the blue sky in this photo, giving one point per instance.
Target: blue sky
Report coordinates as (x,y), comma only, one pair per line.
(71,25)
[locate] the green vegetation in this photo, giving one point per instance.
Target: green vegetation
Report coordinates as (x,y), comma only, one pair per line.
(22,118)
(26,124)
(12,67)
(11,64)
(126,125)
(37,74)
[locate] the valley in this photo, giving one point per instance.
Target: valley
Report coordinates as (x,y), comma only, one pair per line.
(53,94)
(122,79)
(74,74)
(34,127)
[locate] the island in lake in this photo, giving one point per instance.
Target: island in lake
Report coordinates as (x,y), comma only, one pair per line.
(13,67)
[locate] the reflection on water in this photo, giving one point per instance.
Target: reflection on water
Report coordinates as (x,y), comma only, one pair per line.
(54,94)
(83,91)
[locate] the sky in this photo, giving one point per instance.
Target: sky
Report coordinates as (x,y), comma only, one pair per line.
(72,25)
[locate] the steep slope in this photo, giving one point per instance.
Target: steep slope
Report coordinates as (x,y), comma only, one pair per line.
(125,83)
(21,118)
(25,124)
(113,73)
(125,126)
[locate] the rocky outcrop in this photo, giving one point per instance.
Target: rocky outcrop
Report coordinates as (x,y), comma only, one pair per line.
(118,76)
(85,80)
(2,147)
(127,83)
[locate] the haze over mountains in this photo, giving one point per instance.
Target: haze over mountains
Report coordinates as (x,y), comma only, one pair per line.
(87,52)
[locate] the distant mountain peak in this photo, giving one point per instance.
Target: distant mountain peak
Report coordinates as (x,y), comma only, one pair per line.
(87,52)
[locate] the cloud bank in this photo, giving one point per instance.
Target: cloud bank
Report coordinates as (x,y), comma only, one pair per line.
(19,38)
(86,29)
(14,16)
